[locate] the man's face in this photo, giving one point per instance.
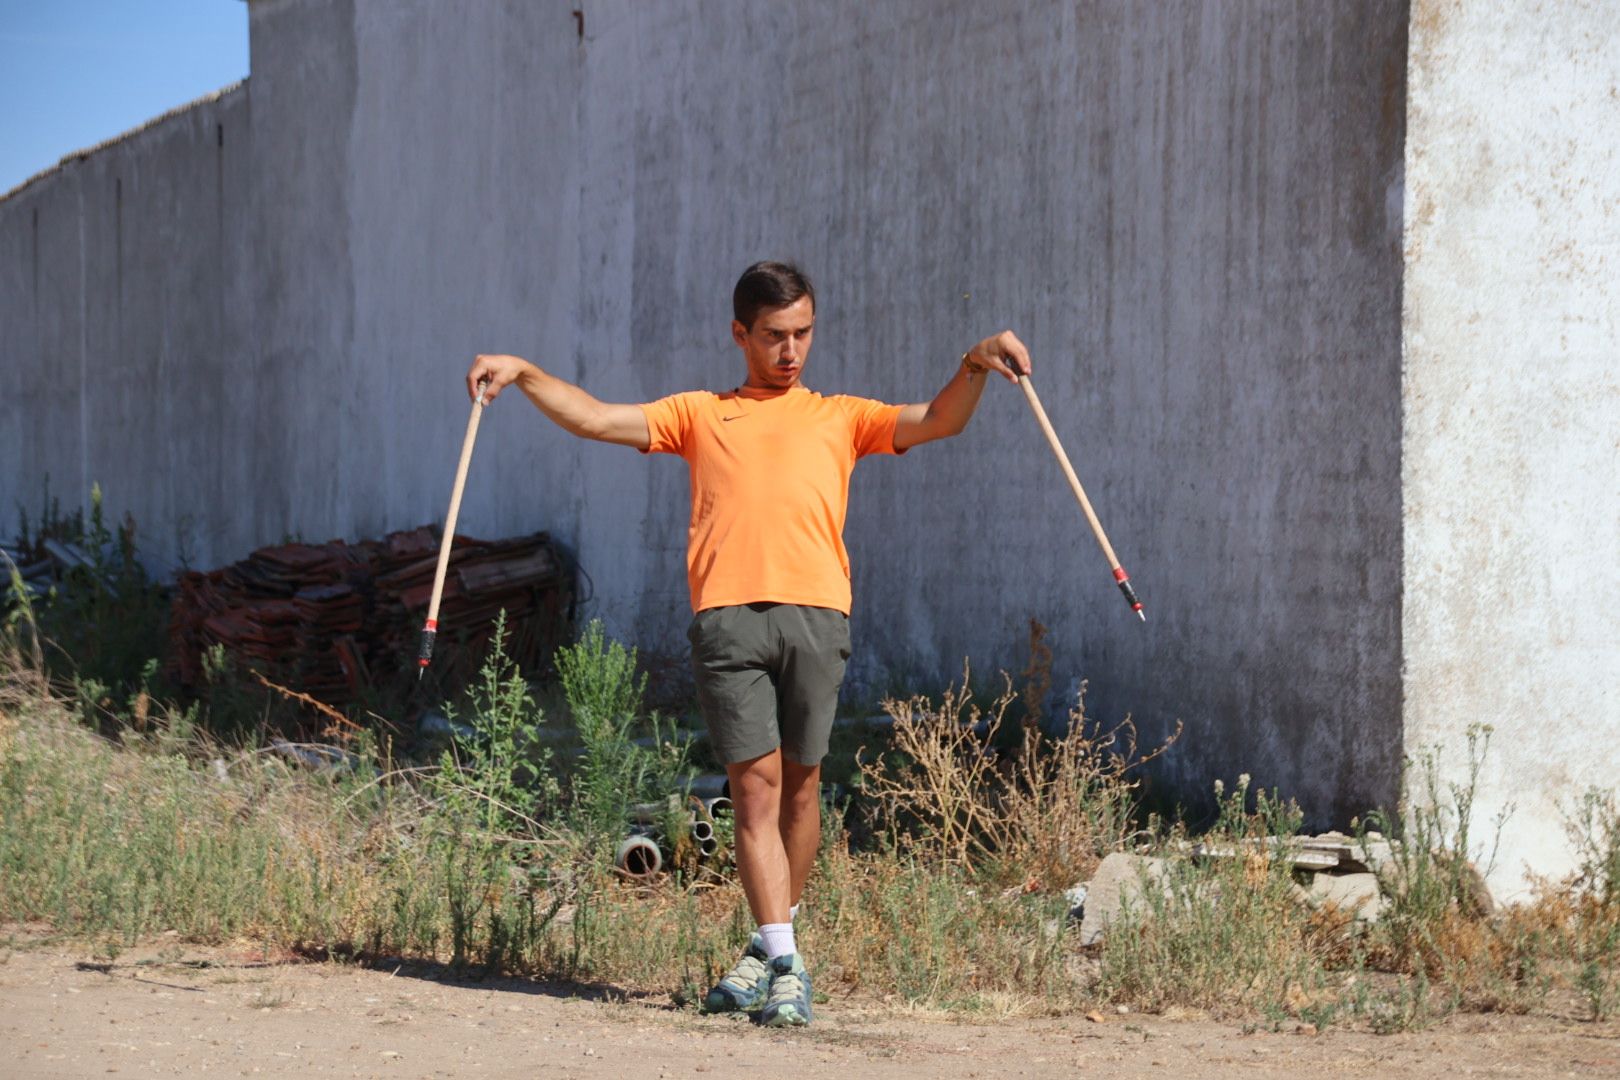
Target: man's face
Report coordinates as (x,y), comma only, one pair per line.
(776,345)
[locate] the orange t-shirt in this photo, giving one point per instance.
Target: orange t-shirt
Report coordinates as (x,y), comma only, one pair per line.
(770,486)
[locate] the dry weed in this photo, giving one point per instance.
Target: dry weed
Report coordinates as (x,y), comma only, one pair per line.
(1042,812)
(22,687)
(1037,674)
(9,704)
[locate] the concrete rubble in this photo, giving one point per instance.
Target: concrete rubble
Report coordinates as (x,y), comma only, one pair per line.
(1349,873)
(1356,894)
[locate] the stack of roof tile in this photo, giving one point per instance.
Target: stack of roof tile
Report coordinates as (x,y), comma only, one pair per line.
(330,619)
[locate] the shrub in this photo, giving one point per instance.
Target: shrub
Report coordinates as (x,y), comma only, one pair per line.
(604,694)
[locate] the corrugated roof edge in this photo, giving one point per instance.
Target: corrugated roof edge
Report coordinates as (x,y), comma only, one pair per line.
(80,155)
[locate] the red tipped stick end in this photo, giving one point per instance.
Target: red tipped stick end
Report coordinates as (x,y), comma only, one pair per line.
(1129,593)
(424,652)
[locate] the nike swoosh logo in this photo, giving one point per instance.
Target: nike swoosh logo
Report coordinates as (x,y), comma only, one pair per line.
(728,419)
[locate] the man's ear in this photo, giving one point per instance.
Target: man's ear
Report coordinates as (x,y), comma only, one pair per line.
(739,333)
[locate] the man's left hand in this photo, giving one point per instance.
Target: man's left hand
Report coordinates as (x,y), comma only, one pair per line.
(1002,353)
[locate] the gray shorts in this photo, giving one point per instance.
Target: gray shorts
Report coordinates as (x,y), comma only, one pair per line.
(767,676)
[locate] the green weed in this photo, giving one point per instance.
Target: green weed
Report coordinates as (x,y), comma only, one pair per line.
(604,692)
(489,796)
(105,623)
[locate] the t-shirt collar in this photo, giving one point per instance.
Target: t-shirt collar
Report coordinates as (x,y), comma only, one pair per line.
(764,393)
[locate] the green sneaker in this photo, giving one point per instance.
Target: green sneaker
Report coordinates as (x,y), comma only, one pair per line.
(789,1001)
(745,986)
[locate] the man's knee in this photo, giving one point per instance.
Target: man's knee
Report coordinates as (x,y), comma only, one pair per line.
(756,790)
(801,789)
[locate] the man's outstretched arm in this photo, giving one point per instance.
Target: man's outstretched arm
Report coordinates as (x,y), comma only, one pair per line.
(569,407)
(953,406)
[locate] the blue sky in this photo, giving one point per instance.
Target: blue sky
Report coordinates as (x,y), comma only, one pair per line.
(75,72)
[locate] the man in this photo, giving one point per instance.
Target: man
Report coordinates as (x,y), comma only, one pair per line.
(770,463)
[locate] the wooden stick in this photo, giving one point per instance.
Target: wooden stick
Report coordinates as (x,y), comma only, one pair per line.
(430,629)
(1120,577)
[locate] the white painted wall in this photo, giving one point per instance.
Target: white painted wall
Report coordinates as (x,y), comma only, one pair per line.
(1511,469)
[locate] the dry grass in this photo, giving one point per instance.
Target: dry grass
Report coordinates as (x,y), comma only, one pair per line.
(114,840)
(930,934)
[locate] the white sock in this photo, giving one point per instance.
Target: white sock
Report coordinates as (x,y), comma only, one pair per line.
(793,913)
(778,938)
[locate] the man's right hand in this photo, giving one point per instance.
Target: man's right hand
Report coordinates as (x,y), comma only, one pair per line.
(497,371)
(568,406)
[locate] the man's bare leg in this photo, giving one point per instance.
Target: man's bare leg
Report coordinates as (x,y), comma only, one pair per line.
(762,865)
(762,859)
(800,822)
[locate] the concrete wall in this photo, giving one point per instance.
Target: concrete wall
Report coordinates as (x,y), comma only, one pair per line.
(120,335)
(1191,212)
(1512,391)
(1192,217)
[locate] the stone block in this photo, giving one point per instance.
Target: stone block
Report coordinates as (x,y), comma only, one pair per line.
(1118,882)
(1357,894)
(1302,856)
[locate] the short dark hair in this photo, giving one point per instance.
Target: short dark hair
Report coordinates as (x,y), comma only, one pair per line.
(768,285)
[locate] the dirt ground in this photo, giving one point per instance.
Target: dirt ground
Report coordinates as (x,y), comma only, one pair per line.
(161,1011)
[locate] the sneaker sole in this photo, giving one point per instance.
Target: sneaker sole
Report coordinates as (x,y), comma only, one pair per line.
(720,1003)
(786,1016)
